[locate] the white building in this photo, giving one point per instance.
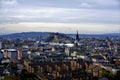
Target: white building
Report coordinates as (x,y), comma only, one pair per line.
(11,53)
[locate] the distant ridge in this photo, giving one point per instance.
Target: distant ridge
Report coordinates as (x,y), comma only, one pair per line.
(44,35)
(97,35)
(59,37)
(26,35)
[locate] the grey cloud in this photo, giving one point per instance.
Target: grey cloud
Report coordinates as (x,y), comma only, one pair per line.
(102,4)
(8,2)
(85,11)
(62,15)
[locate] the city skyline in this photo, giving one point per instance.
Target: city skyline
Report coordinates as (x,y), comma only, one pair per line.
(88,17)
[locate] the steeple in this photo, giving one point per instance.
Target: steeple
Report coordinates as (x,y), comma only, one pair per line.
(77,36)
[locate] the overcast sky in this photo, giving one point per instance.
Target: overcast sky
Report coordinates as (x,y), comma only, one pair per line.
(66,16)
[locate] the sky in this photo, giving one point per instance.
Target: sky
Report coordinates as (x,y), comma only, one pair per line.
(65,16)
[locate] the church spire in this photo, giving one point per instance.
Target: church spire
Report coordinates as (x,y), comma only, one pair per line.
(77,36)
(77,39)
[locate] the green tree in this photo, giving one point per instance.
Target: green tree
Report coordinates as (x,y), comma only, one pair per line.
(11,78)
(107,74)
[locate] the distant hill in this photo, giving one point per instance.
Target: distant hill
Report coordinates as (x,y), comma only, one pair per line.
(46,36)
(111,35)
(54,37)
(26,35)
(58,37)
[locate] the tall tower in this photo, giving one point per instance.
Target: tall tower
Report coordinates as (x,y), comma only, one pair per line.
(77,37)
(77,40)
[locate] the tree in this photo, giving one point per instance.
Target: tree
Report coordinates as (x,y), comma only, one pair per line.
(26,75)
(11,78)
(107,74)
(117,76)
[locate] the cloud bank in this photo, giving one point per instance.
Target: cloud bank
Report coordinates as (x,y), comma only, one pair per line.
(104,13)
